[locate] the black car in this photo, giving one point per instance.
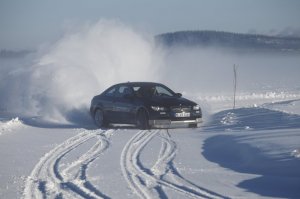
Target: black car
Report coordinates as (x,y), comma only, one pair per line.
(144,104)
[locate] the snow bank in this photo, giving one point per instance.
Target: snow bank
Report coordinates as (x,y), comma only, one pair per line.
(10,125)
(296,153)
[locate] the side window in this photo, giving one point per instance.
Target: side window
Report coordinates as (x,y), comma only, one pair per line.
(123,90)
(137,91)
(145,91)
(110,92)
(136,88)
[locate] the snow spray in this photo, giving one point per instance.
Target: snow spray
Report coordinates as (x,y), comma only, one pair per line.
(63,80)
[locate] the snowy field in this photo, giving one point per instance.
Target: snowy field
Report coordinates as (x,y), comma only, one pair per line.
(50,148)
(249,152)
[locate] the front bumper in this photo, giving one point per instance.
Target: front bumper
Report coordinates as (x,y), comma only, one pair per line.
(166,123)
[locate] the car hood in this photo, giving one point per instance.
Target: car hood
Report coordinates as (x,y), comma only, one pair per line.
(170,101)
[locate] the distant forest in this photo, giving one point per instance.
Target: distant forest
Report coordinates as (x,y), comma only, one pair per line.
(206,38)
(228,40)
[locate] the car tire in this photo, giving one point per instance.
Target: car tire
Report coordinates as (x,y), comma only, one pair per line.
(99,118)
(142,120)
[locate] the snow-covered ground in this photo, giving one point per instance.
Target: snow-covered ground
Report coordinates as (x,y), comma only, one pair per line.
(50,148)
(249,152)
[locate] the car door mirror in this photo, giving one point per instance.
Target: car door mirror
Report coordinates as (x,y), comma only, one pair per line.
(178,95)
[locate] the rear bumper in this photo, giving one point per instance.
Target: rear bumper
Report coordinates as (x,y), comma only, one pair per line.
(165,123)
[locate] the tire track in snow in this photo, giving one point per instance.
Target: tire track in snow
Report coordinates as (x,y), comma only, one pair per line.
(150,183)
(48,181)
(135,176)
(165,170)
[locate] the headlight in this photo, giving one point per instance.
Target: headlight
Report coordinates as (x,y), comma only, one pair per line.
(158,108)
(196,108)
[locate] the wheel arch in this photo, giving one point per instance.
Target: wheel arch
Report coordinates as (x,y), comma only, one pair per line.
(142,125)
(95,108)
(142,108)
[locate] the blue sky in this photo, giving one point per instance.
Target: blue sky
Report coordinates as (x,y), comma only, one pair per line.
(29,23)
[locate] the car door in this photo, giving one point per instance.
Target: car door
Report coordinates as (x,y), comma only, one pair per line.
(108,103)
(124,105)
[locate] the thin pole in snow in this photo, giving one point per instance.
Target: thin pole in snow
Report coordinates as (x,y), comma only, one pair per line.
(234,84)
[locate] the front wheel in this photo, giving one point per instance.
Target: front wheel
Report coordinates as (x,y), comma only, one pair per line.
(99,118)
(142,120)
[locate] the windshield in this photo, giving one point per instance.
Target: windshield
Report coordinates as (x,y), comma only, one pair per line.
(153,90)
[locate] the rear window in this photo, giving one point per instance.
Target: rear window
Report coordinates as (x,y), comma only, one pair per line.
(110,92)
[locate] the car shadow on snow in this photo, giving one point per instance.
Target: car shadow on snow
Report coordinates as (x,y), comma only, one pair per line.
(280,177)
(76,118)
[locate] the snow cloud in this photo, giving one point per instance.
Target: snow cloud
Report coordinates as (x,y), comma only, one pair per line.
(80,65)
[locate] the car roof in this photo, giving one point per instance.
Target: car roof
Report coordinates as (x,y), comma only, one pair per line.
(139,83)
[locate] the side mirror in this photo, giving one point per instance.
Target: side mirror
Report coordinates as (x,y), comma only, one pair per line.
(178,95)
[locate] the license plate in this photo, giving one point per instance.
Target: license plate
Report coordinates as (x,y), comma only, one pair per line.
(182,114)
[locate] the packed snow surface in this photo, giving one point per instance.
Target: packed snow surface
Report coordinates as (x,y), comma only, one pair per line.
(248,152)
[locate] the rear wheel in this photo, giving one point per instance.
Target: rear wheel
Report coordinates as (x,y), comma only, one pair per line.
(142,120)
(99,118)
